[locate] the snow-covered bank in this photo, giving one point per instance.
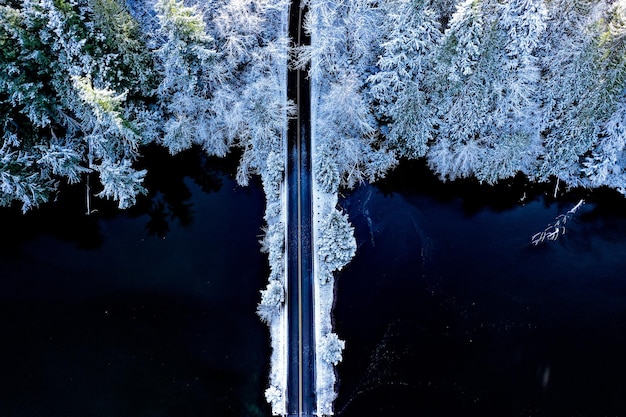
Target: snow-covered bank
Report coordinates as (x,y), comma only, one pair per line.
(272,309)
(274,241)
(323,281)
(328,346)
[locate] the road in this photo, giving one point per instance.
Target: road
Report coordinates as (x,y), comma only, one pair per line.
(300,336)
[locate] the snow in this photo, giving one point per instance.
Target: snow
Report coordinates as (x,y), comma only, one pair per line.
(276,394)
(323,203)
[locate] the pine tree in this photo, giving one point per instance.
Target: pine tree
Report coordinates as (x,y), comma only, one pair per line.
(252,106)
(459,95)
(112,143)
(607,163)
(584,51)
(399,90)
(330,348)
(47,46)
(567,122)
(486,74)
(336,245)
(191,73)
(512,139)
(341,59)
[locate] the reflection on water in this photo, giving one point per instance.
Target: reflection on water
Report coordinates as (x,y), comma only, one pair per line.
(126,314)
(168,196)
(167,200)
(448,308)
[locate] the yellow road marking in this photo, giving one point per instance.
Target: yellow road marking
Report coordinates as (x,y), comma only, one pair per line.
(299,151)
(298,147)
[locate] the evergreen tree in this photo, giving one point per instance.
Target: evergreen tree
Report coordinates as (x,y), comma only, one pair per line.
(459,98)
(568,119)
(336,245)
(607,162)
(399,90)
(511,136)
(341,59)
(330,348)
(253,106)
(45,119)
(191,72)
(486,73)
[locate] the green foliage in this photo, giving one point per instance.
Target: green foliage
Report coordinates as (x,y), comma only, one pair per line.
(181,21)
(60,67)
(118,35)
(19,181)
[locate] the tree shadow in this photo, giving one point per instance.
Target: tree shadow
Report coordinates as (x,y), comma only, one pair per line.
(168,199)
(415,177)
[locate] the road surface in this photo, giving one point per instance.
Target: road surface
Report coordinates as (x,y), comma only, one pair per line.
(300,335)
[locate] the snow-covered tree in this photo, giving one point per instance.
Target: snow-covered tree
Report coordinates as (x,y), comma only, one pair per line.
(336,244)
(45,115)
(273,180)
(264,112)
(607,164)
(581,123)
(399,90)
(191,72)
(18,181)
(588,116)
(485,90)
(272,299)
(129,64)
(111,141)
(326,169)
(330,348)
(512,141)
(569,88)
(252,105)
(346,132)
(340,59)
(459,94)
(274,397)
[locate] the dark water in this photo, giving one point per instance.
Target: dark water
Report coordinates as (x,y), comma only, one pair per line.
(149,312)
(448,310)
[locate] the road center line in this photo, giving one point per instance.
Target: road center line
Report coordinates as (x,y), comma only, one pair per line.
(299,164)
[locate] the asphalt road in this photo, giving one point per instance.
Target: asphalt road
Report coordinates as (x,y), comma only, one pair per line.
(301,341)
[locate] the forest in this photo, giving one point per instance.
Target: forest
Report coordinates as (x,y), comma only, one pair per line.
(484,89)
(481,88)
(86,84)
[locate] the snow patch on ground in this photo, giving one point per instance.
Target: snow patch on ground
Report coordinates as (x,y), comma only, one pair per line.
(276,393)
(324,282)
